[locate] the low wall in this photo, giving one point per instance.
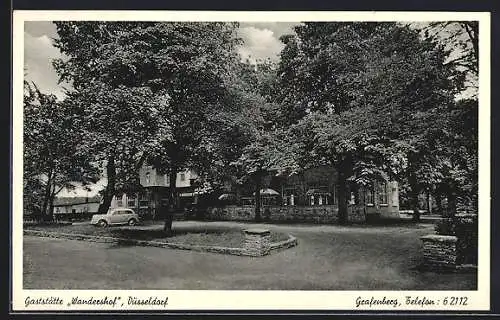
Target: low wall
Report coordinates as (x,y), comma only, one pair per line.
(307,214)
(231,213)
(30,223)
(356,214)
(389,213)
(252,247)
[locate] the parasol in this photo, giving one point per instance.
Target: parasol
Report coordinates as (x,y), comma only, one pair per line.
(268,192)
(227,196)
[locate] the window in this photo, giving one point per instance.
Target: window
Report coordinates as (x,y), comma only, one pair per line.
(131,202)
(166,179)
(119,202)
(382,196)
(370,195)
(247,201)
(144,201)
(318,196)
(289,197)
(352,199)
(119,212)
(148,177)
(183,176)
(395,200)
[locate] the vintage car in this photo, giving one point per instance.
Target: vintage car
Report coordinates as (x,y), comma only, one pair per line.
(116,216)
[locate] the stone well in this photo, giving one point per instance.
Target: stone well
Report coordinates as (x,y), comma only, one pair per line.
(257,242)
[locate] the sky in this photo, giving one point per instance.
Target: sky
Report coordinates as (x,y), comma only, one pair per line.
(261,41)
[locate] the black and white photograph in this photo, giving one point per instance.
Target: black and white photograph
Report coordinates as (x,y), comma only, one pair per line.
(251,161)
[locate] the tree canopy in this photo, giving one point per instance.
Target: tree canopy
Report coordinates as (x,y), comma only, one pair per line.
(149,91)
(367,98)
(373,100)
(53,158)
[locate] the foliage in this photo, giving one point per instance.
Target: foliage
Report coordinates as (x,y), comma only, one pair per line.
(374,100)
(461,41)
(53,158)
(265,147)
(365,97)
(465,228)
(149,90)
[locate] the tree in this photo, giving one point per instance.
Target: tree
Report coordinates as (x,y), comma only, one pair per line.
(118,113)
(149,88)
(263,146)
(458,157)
(268,151)
(53,158)
(461,40)
(366,94)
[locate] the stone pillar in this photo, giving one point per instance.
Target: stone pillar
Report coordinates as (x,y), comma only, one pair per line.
(257,242)
(439,251)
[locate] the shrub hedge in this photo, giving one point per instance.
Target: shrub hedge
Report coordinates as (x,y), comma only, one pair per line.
(465,228)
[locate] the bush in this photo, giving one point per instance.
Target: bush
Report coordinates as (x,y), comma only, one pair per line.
(464,227)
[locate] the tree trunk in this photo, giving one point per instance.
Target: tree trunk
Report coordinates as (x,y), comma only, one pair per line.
(439,203)
(172,200)
(342,170)
(414,197)
(51,202)
(110,188)
(429,202)
(452,204)
(414,189)
(47,192)
(258,185)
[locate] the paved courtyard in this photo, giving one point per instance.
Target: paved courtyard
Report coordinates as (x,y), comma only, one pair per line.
(327,258)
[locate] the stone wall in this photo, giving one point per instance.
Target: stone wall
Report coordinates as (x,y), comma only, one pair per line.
(356,214)
(389,213)
(307,214)
(257,242)
(439,251)
(231,213)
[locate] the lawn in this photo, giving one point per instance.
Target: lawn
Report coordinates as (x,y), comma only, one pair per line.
(209,235)
(326,258)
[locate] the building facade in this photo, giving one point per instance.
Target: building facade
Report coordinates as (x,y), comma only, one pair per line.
(311,196)
(76,207)
(152,200)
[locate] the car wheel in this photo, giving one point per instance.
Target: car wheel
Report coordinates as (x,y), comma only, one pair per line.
(132,222)
(102,223)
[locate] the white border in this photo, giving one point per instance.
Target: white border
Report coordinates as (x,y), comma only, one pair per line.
(255,300)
